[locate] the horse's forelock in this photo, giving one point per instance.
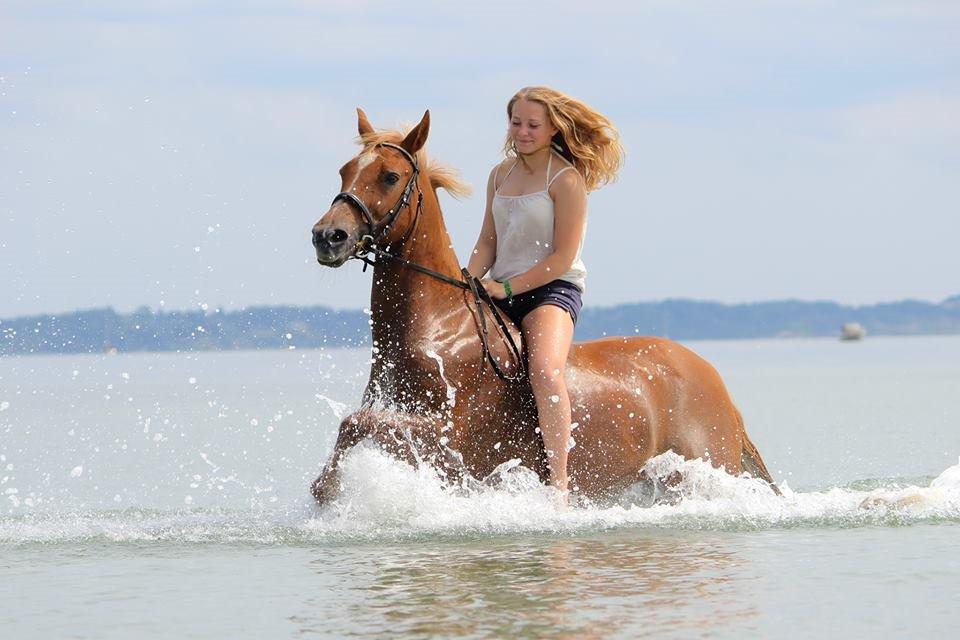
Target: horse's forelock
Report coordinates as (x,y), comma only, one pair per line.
(372,139)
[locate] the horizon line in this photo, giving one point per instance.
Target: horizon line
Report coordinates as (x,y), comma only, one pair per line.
(218,309)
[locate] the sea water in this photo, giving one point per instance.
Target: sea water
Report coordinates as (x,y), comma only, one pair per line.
(166,495)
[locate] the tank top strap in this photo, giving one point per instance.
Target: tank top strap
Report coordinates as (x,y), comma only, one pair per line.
(549,162)
(496,176)
(549,179)
(557,174)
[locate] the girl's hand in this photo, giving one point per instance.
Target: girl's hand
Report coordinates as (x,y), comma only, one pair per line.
(494,288)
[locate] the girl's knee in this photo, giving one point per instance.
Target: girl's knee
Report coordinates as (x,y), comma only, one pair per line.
(548,367)
(549,377)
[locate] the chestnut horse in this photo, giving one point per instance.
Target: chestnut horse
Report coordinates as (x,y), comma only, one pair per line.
(433,396)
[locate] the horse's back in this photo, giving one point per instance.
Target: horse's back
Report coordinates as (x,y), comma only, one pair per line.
(644,358)
(636,397)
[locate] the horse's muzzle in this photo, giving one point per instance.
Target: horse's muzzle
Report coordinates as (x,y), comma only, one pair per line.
(332,245)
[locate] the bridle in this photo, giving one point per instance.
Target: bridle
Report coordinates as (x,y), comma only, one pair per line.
(376,230)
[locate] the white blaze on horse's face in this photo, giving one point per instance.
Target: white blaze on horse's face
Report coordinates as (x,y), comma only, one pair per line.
(363,161)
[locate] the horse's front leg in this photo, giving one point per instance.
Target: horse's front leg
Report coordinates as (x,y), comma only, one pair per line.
(327,485)
(408,437)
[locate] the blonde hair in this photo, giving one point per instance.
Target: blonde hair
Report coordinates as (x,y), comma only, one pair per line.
(586,138)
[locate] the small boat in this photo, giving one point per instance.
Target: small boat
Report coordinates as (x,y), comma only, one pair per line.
(853,331)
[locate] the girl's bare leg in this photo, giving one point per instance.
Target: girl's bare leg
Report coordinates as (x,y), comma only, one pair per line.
(548,330)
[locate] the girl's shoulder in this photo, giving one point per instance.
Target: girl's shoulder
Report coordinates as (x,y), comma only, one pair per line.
(503,165)
(499,171)
(566,177)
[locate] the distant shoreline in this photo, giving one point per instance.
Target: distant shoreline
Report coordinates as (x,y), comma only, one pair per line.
(282,327)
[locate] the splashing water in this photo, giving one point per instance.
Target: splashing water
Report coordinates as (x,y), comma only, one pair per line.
(383,498)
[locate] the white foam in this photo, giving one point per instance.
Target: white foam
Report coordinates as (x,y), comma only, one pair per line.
(384,498)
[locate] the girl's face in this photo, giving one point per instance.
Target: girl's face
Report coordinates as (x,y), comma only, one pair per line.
(530,128)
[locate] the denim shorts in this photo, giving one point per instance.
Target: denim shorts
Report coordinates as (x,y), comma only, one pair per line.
(559,293)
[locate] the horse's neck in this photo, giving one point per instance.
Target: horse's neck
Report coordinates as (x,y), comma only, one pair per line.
(405,304)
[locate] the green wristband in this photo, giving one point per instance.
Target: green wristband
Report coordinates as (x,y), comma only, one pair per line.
(508,290)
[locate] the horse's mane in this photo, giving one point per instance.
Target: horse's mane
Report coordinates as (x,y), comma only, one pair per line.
(441,176)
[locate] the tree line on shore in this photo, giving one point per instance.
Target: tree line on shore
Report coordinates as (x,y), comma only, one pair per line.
(284,327)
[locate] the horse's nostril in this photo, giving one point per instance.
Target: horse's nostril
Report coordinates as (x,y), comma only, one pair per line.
(328,238)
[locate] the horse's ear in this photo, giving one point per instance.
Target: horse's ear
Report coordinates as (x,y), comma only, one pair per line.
(418,136)
(363,124)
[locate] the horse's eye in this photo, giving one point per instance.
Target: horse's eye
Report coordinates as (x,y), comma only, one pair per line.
(392,178)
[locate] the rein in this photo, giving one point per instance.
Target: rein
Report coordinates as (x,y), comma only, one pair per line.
(367,246)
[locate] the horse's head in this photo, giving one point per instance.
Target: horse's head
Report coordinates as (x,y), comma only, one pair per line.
(376,187)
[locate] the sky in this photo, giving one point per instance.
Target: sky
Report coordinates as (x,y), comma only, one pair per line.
(176,154)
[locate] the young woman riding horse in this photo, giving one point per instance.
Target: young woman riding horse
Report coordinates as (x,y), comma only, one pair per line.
(447,387)
(533,230)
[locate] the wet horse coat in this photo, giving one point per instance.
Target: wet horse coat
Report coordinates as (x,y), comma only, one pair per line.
(432,397)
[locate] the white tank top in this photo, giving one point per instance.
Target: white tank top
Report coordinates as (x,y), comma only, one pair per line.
(524,226)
